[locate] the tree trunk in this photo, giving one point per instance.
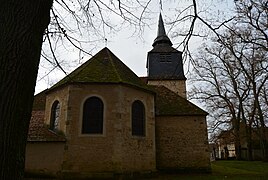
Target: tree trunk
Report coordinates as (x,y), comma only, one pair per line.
(249,142)
(260,114)
(264,144)
(22,24)
(236,128)
(238,154)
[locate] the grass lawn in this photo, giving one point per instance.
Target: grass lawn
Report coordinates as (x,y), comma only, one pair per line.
(228,170)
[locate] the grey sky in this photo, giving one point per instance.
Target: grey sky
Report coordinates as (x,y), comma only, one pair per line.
(132,50)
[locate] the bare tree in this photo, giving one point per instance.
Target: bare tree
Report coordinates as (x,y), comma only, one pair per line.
(83,25)
(220,91)
(241,76)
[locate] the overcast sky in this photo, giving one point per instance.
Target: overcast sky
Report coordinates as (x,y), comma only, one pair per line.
(132,50)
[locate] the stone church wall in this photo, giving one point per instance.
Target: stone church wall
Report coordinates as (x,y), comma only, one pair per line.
(177,86)
(62,96)
(181,143)
(116,150)
(44,157)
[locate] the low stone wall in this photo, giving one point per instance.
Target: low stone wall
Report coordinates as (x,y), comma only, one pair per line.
(44,158)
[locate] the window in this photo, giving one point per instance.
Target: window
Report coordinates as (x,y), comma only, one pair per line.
(165,58)
(55,114)
(92,116)
(138,119)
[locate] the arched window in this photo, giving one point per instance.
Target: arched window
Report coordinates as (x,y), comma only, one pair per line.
(138,119)
(93,116)
(55,114)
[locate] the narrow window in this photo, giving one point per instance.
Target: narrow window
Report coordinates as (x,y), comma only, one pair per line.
(138,119)
(92,116)
(55,114)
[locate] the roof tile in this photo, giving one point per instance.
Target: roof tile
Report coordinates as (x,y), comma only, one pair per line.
(38,130)
(168,103)
(104,67)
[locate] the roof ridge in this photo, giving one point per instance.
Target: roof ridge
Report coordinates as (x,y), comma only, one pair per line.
(81,67)
(75,72)
(114,67)
(104,67)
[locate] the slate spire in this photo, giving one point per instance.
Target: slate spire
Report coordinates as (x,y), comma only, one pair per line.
(164,62)
(161,38)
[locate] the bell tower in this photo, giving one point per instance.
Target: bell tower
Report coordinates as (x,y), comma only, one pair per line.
(164,63)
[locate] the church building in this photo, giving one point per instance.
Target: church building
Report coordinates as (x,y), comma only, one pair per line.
(104,120)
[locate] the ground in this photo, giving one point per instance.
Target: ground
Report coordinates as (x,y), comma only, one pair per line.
(244,170)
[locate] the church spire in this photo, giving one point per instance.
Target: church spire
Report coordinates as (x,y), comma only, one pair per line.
(161,38)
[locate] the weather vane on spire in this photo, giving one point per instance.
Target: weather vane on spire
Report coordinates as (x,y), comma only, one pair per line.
(106,41)
(160,5)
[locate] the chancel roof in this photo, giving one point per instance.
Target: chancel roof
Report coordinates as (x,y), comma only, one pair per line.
(168,103)
(104,67)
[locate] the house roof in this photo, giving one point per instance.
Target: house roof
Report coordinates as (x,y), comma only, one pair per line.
(230,135)
(104,67)
(168,103)
(38,130)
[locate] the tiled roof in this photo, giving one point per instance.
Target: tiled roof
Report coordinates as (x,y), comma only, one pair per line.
(168,103)
(104,67)
(144,79)
(38,130)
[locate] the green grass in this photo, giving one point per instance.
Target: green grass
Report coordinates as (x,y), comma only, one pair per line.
(237,170)
(240,167)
